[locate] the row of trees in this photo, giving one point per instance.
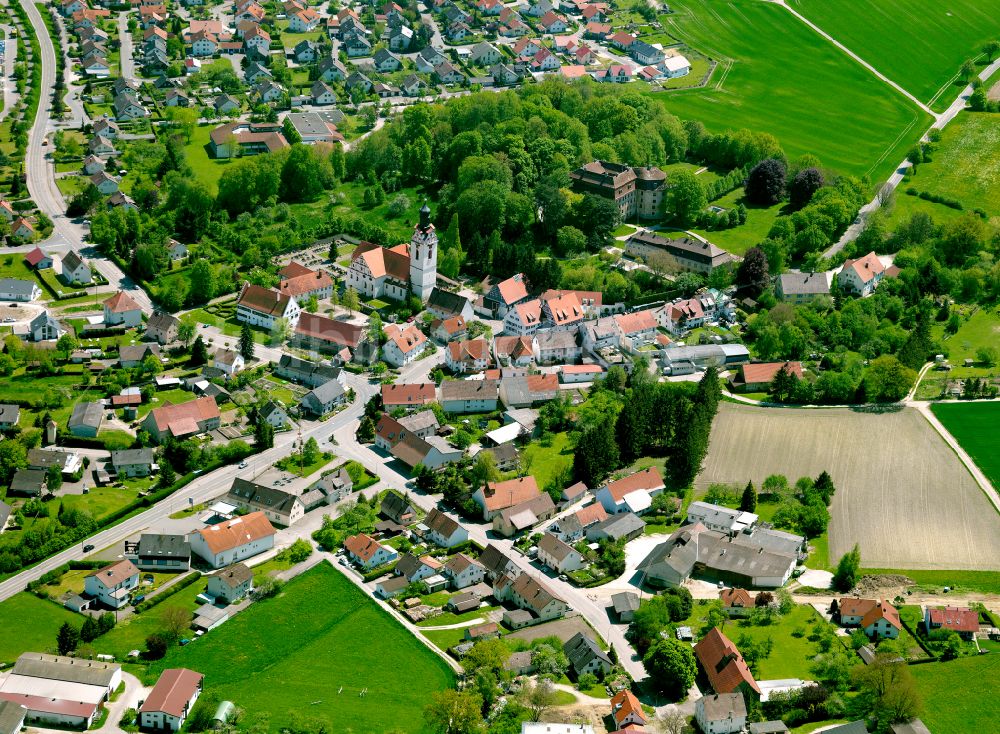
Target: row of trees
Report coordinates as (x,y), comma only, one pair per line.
(656,419)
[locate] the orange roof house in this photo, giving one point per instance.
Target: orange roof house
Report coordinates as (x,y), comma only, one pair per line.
(497,496)
(724,666)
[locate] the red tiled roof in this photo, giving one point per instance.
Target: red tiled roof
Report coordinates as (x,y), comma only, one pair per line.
(512,346)
(529,312)
(35,256)
(851,606)
(647,479)
(513,289)
(736,598)
(543,383)
(263,300)
(329,330)
(866,268)
(382,261)
(419,393)
(624,704)
(960,619)
(723,665)
(121,302)
(116,573)
(362,546)
(173,691)
(469,350)
(236,532)
(202,409)
(406,338)
(885,610)
(765,371)
(51,705)
(305,283)
(631,323)
(499,495)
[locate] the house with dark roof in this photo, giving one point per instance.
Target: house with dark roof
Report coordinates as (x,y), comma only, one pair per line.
(310,374)
(627,526)
(443,530)
(557,555)
(230,584)
(27,482)
(398,509)
(469,396)
(445,304)
(462,571)
(162,328)
(321,400)
(432,452)
(586,656)
(133,462)
(280,507)
(86,419)
(415,569)
(801,287)
(158,552)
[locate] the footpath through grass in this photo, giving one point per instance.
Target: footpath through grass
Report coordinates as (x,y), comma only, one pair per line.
(781,77)
(960,695)
(919,44)
(974,426)
(293,653)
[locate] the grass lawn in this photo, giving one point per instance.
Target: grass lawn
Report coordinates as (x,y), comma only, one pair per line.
(349,197)
(974,426)
(207,169)
(277,390)
(792,656)
(274,659)
(24,387)
(361,477)
(132,633)
(953,702)
(13,266)
(30,624)
(449,618)
(802,89)
(443,639)
(904,206)
(547,462)
(162,397)
(966,164)
(100,501)
(293,464)
(740,239)
(938,38)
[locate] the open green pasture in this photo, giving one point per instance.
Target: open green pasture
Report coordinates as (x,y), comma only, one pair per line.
(312,650)
(919,44)
(974,426)
(779,76)
(959,696)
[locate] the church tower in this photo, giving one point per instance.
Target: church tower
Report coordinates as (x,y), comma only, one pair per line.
(423,256)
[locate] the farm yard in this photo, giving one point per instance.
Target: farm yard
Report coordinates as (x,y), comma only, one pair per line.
(938,38)
(974,426)
(914,507)
(777,75)
(951,704)
(294,653)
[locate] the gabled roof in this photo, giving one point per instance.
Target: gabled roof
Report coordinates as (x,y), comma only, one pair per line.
(363,546)
(554,547)
(723,665)
(648,479)
(469,350)
(325,329)
(409,394)
(885,610)
(236,532)
(632,323)
(115,573)
(960,619)
(263,300)
(498,495)
(201,409)
(406,338)
(591,514)
(173,692)
(765,371)
(624,704)
(513,289)
(866,268)
(736,598)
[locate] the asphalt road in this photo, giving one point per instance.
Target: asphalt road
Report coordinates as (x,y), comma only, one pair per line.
(67,234)
(199,490)
(125,39)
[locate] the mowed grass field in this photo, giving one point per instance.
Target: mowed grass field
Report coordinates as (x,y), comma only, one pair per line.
(902,494)
(975,426)
(294,652)
(781,77)
(919,44)
(955,698)
(966,164)
(30,625)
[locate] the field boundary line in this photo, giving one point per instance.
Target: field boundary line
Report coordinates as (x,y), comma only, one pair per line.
(899,88)
(981,479)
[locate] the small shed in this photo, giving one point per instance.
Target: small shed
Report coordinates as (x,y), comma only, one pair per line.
(223,711)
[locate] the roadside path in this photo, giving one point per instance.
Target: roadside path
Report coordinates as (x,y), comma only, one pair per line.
(127,62)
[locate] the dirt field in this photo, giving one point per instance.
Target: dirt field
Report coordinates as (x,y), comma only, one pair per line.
(916,507)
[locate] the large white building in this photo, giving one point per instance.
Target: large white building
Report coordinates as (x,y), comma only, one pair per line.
(396,272)
(234,540)
(111,586)
(262,307)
